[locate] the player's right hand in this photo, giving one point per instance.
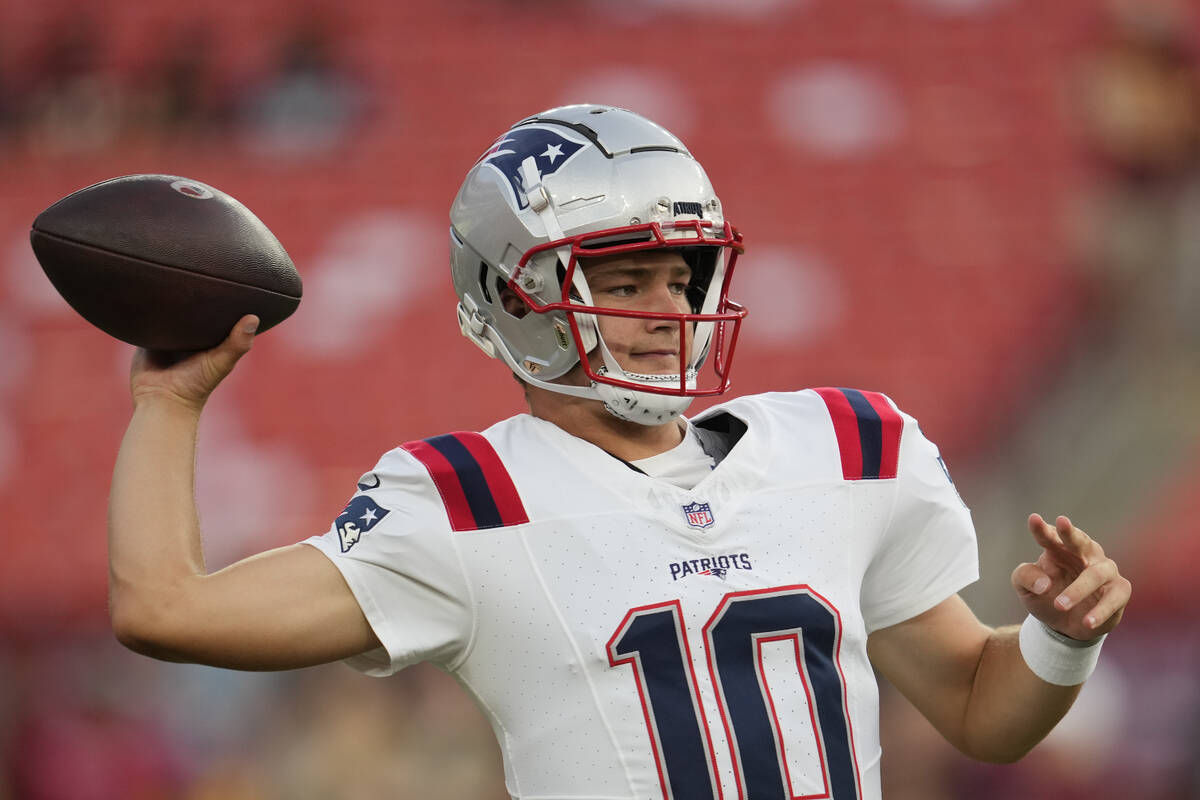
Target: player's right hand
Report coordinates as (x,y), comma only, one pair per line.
(189,378)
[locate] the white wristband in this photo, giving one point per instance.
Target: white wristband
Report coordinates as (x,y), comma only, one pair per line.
(1055,658)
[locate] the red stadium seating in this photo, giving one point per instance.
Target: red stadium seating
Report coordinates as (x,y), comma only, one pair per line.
(943,238)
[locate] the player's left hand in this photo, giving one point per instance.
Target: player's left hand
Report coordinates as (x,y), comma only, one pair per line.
(1073,586)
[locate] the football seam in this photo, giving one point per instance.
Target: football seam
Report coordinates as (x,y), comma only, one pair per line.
(89,246)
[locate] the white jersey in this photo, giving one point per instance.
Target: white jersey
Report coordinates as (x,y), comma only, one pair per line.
(631,639)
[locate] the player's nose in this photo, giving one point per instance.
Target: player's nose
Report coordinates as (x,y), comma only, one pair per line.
(664,299)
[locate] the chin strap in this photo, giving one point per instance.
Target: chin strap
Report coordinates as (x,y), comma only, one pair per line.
(643,408)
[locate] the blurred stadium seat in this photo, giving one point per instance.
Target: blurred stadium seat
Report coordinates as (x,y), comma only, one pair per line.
(941,231)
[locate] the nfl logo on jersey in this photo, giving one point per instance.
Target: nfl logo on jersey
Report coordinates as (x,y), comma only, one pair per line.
(699,515)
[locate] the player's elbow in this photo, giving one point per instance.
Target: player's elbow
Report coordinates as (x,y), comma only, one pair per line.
(141,624)
(132,635)
(131,624)
(997,752)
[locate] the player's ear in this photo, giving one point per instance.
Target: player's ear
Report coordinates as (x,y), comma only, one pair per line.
(513,303)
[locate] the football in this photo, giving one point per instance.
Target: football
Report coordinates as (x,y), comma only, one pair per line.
(164,262)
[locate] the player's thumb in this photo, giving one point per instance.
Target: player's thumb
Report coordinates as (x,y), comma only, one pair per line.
(243,333)
(237,344)
(1030,579)
(241,338)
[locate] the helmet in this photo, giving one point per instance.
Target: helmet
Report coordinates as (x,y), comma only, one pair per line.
(582,181)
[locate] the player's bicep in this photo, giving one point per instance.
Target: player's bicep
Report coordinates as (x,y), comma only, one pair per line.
(281,609)
(932,660)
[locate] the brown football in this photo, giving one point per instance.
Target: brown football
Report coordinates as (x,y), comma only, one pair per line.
(164,262)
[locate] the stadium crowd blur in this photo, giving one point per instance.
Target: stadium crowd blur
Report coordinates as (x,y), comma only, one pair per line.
(988,209)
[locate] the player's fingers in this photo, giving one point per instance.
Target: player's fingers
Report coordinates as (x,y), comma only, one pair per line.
(1051,562)
(1050,539)
(1088,582)
(1031,579)
(1075,539)
(1105,615)
(1043,532)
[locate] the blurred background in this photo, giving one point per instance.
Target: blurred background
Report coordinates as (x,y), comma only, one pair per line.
(988,209)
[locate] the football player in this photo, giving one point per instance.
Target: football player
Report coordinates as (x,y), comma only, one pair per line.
(643,604)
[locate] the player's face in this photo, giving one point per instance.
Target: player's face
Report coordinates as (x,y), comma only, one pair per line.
(651,280)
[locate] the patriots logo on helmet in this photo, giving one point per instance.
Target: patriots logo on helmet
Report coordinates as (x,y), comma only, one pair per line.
(547,146)
(361,514)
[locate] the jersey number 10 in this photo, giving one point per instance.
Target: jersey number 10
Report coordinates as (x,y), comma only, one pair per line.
(652,640)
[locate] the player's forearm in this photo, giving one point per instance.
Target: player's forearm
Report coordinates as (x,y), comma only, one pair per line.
(1010,709)
(154,535)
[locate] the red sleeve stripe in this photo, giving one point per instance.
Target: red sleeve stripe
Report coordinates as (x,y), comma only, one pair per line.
(448,486)
(475,487)
(868,432)
(845,426)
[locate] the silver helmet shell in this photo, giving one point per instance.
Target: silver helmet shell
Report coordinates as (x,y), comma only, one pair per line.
(572,182)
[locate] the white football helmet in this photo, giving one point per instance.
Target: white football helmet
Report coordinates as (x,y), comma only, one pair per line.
(582,181)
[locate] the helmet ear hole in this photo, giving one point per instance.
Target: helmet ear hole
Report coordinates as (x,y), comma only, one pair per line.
(483,287)
(512,303)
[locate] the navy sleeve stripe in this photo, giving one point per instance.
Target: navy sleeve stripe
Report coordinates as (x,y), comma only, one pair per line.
(868,432)
(474,485)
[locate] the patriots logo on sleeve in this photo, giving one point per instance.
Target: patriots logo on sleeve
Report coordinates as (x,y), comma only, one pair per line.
(549,147)
(361,514)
